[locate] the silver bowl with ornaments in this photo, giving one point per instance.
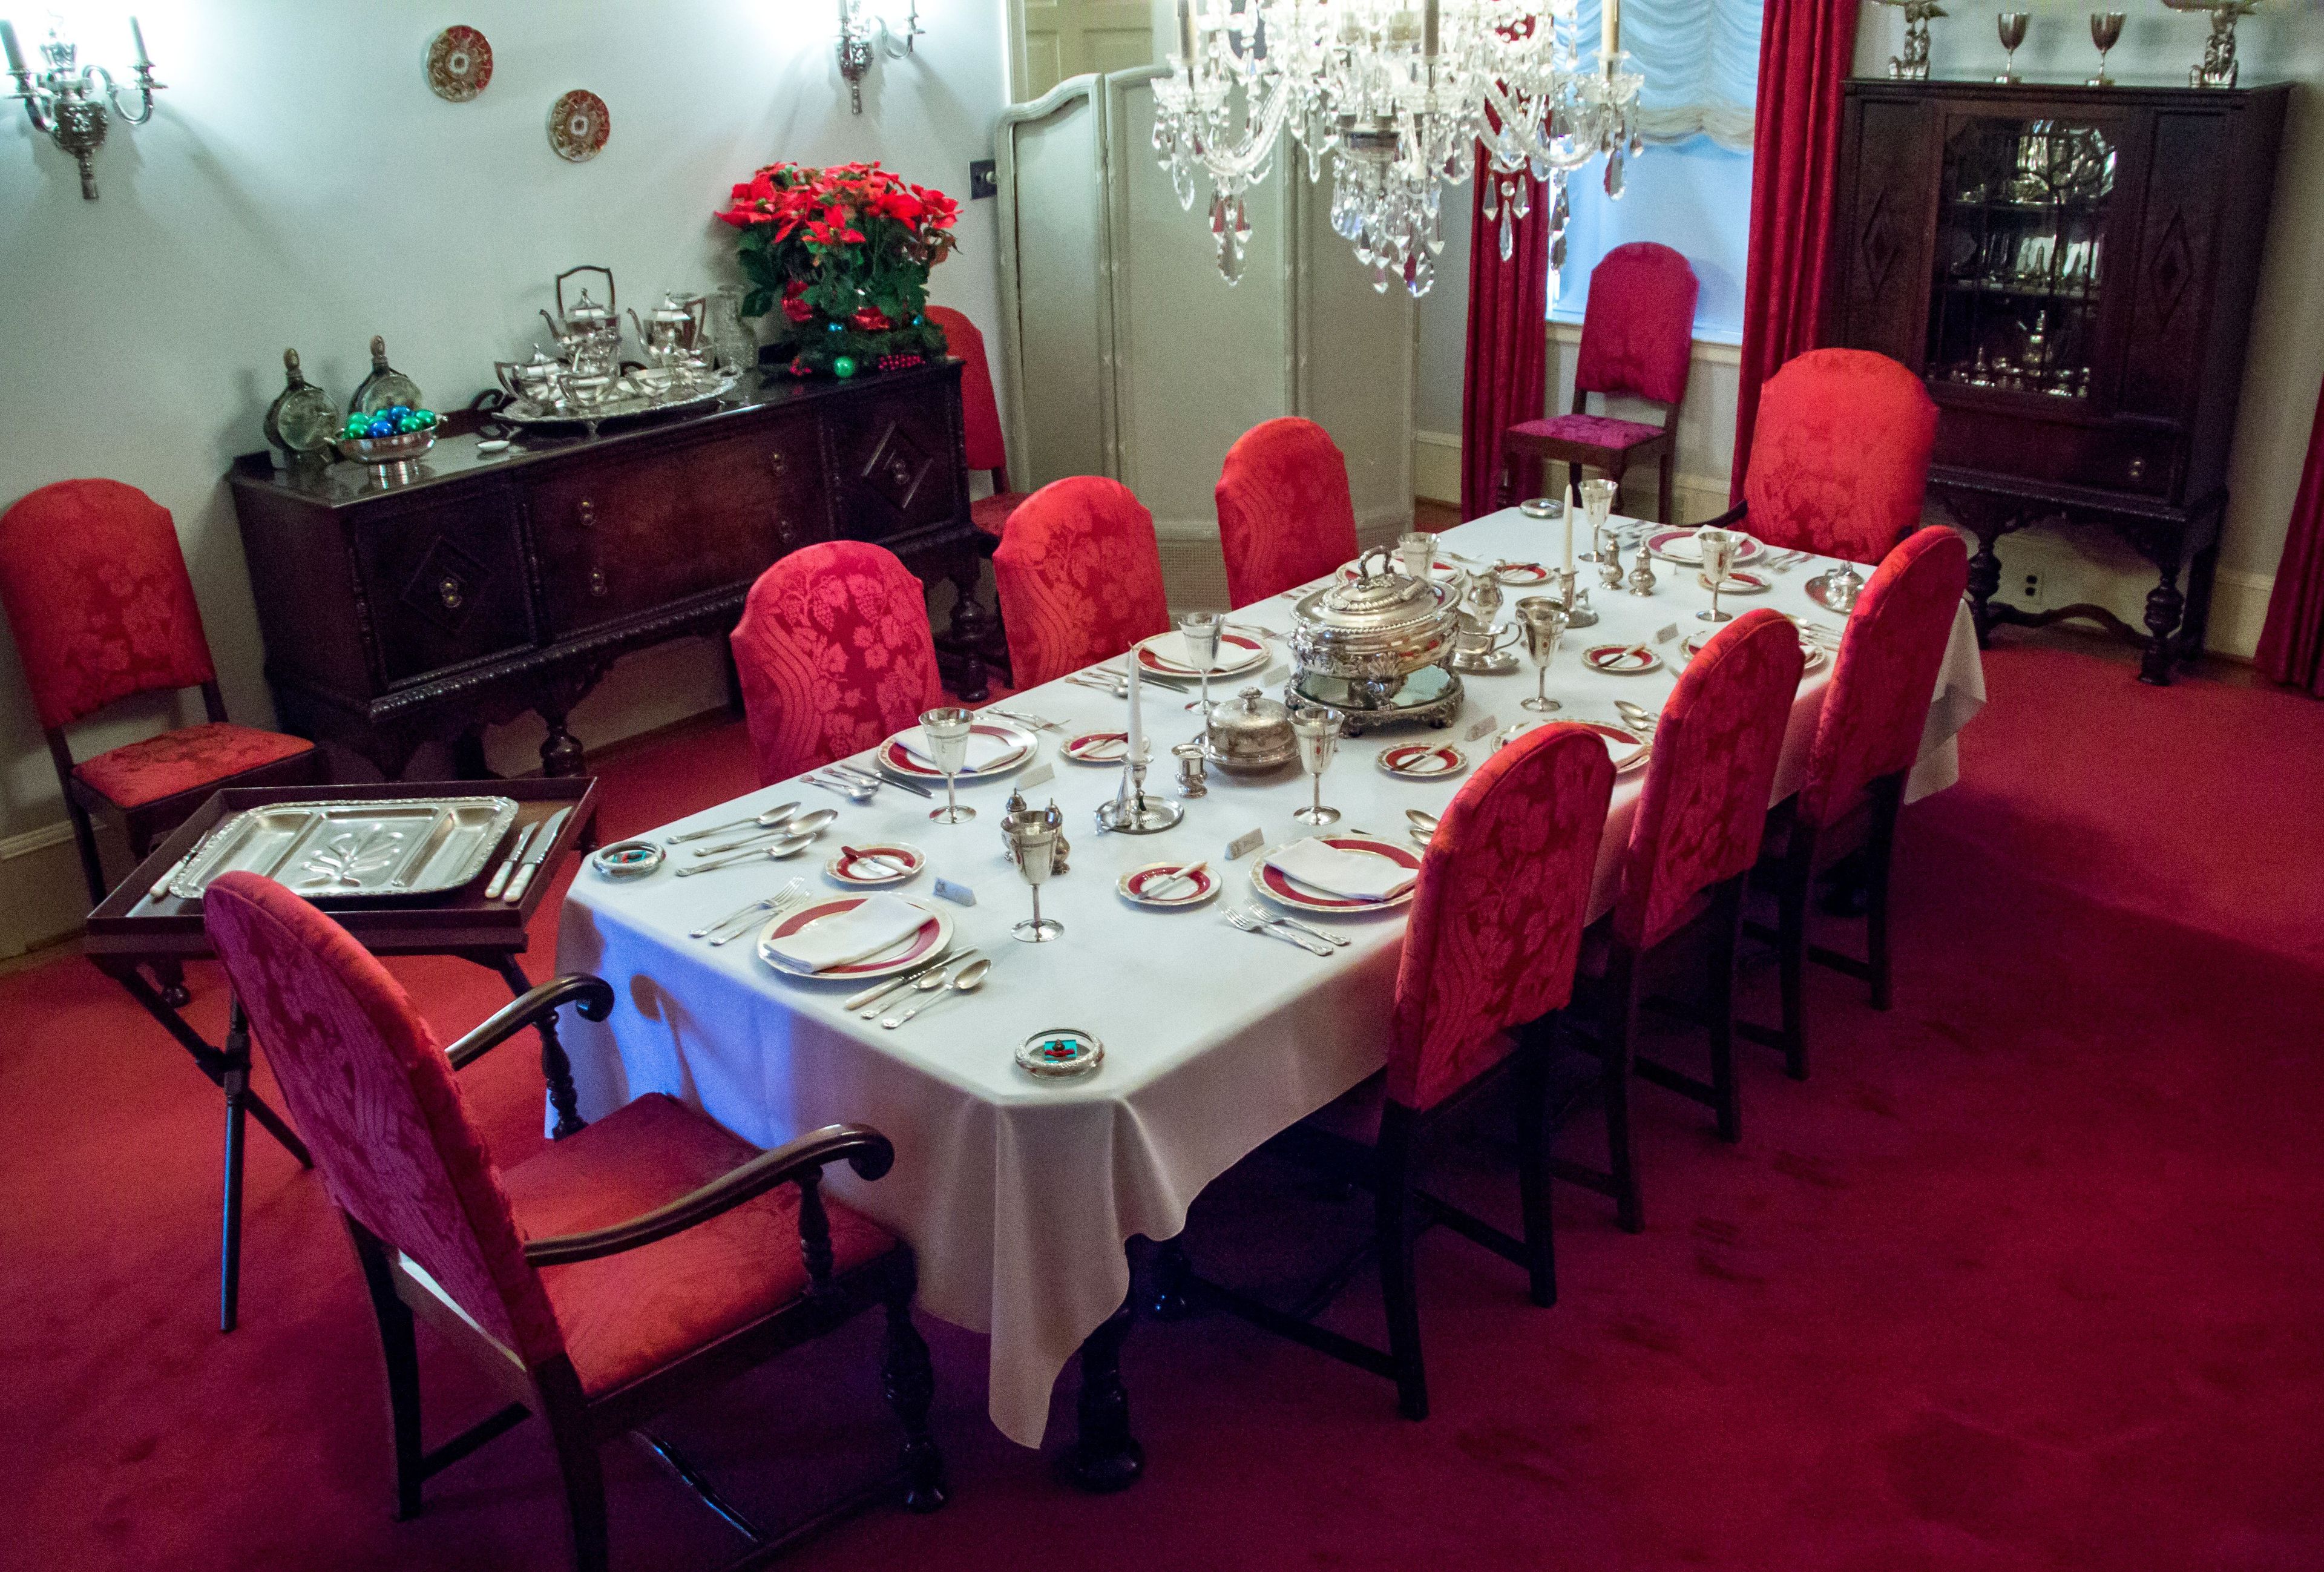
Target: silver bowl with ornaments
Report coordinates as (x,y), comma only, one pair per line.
(1374,648)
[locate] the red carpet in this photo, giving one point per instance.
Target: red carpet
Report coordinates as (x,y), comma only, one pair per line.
(2031,1275)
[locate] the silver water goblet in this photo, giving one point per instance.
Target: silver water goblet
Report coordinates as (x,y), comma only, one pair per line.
(1544,621)
(947,731)
(1201,630)
(1318,733)
(1719,548)
(1033,839)
(2011,24)
(1598,494)
(2106,31)
(1415,552)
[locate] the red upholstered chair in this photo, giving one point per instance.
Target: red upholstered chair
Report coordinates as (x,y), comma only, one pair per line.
(97,593)
(980,419)
(1637,338)
(623,1269)
(1285,513)
(1840,459)
(1693,842)
(834,654)
(1866,739)
(1080,578)
(1488,964)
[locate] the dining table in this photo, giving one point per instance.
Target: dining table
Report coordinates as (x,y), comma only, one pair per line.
(1020,1193)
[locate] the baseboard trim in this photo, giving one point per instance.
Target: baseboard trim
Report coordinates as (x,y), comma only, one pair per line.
(41,896)
(2238,612)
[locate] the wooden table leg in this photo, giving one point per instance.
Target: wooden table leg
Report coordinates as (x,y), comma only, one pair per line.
(1105,1456)
(555,1066)
(237,1091)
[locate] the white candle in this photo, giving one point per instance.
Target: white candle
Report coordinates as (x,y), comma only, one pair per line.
(1610,20)
(137,36)
(16,55)
(1186,32)
(1567,512)
(1136,748)
(1428,30)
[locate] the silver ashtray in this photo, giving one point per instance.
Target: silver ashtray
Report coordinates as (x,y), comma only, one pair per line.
(1541,507)
(1065,1051)
(627,859)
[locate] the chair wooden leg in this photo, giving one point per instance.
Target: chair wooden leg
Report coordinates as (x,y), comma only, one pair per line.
(1727,913)
(170,976)
(1792,945)
(1392,1223)
(907,1381)
(1533,1170)
(1670,514)
(92,866)
(400,1350)
(1614,1037)
(566,1411)
(1888,796)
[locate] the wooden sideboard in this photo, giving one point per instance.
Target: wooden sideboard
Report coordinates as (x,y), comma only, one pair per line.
(496,583)
(2072,270)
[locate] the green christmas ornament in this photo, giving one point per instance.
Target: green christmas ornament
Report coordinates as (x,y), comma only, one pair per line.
(844,367)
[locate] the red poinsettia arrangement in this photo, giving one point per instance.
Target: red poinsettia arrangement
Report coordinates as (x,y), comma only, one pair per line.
(845,252)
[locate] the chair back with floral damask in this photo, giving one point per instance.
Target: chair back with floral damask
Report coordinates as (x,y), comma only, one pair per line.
(980,409)
(1877,703)
(375,1100)
(1284,512)
(1705,803)
(1496,921)
(96,589)
(1080,578)
(1637,332)
(1840,459)
(834,655)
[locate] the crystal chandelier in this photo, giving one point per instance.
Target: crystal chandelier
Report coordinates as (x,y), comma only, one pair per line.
(1400,99)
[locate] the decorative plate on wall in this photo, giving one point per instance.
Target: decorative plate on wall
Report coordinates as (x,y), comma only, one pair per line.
(459,64)
(578,126)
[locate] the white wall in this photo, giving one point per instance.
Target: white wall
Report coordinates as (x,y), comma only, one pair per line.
(144,332)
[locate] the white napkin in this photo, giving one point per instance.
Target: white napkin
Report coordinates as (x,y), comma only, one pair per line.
(983,751)
(880,922)
(1356,876)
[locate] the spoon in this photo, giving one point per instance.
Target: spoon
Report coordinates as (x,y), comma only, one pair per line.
(1641,719)
(789,848)
(767,820)
(804,823)
(854,792)
(968,980)
(1423,818)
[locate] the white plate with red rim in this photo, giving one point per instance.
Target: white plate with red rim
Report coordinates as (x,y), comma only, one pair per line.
(1520,574)
(1281,888)
(1627,749)
(860,866)
(1681,546)
(1022,745)
(1444,570)
(1738,583)
(1192,888)
(1808,647)
(1621,660)
(930,938)
(1422,760)
(1165,655)
(1095,748)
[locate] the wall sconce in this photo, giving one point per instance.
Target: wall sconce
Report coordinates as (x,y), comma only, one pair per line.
(861,26)
(65,104)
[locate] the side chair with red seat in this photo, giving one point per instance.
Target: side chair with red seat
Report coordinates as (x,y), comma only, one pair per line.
(1868,736)
(1693,841)
(834,654)
(1638,338)
(1488,964)
(643,1259)
(1840,458)
(1285,515)
(980,419)
(1080,575)
(96,589)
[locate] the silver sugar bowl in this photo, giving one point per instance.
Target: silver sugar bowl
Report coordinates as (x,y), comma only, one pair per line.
(1250,733)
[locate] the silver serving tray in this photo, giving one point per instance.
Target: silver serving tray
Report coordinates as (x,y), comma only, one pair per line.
(327,850)
(634,400)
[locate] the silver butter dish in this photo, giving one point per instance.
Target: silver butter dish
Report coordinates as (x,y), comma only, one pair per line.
(329,850)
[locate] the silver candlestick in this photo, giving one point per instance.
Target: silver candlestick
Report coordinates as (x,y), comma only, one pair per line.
(1131,811)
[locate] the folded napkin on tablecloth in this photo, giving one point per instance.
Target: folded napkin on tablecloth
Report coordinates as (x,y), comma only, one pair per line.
(984,750)
(880,922)
(1356,876)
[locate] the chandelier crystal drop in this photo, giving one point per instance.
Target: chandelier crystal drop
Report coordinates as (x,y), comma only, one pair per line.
(1397,100)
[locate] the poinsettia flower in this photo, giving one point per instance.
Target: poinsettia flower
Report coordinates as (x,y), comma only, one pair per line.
(872,319)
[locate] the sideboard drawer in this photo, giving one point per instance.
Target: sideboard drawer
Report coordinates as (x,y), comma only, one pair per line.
(895,464)
(443,582)
(616,539)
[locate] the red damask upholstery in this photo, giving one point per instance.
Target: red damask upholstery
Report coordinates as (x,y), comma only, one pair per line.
(834,653)
(1878,705)
(1638,332)
(991,513)
(1705,803)
(980,410)
(1496,920)
(1840,460)
(1588,430)
(137,773)
(1284,513)
(1080,578)
(96,591)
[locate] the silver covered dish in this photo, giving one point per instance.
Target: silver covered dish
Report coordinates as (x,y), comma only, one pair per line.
(325,850)
(1366,635)
(1251,732)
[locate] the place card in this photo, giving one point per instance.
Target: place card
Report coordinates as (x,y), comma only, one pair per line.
(1243,844)
(1666,633)
(1039,775)
(1484,727)
(959,894)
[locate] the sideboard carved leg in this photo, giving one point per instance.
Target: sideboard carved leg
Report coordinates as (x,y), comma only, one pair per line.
(560,751)
(972,627)
(2163,606)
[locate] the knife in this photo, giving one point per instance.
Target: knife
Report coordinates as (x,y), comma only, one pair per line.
(516,854)
(879,991)
(871,778)
(536,856)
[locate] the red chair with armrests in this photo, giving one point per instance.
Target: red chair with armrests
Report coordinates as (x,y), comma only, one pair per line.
(639,1260)
(1693,842)
(1487,966)
(1080,576)
(1868,738)
(1840,458)
(1284,513)
(1637,338)
(980,419)
(97,593)
(834,654)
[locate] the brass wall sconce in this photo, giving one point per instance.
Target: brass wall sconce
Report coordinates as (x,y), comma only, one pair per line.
(66,102)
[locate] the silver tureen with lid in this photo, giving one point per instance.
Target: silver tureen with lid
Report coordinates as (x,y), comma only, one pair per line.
(1373,647)
(1251,732)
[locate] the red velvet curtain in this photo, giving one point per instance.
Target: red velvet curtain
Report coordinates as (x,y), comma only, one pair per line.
(2292,645)
(1508,329)
(1805,49)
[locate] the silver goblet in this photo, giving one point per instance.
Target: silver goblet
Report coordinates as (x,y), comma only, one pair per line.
(1200,629)
(2012,27)
(2106,31)
(1318,733)
(1544,621)
(947,731)
(1032,839)
(1718,561)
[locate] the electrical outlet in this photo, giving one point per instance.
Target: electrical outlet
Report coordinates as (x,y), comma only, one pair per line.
(2029,591)
(982,181)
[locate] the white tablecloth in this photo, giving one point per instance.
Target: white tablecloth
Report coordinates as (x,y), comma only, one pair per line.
(1017,1194)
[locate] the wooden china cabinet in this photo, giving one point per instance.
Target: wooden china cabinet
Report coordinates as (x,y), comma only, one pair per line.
(2071,269)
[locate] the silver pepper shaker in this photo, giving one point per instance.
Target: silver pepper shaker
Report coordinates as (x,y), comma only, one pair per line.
(1193,775)
(1642,570)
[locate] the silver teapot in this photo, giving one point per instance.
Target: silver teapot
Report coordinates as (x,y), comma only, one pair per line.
(671,330)
(534,382)
(586,333)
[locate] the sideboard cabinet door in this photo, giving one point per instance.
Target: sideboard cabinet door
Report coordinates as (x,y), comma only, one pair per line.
(894,459)
(442,581)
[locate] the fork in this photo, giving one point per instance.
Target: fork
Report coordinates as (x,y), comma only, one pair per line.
(1252,925)
(1258,914)
(790,890)
(1040,723)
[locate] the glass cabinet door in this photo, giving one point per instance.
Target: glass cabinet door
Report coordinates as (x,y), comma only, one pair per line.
(2024,211)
